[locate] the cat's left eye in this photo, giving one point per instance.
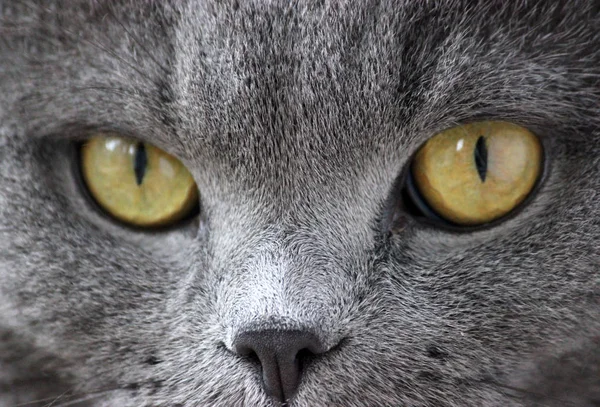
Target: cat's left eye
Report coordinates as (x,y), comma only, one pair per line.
(137,183)
(473,174)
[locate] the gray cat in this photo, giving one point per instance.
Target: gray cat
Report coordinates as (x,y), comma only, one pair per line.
(313,270)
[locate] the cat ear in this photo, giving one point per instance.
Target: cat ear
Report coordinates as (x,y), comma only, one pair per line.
(568,376)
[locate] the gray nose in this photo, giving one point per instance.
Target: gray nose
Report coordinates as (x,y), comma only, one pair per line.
(281,355)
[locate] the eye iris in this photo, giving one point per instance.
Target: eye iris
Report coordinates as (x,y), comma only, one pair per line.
(476,173)
(137,183)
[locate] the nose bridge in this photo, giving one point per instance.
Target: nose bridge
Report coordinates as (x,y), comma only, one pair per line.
(260,286)
(290,266)
(283,285)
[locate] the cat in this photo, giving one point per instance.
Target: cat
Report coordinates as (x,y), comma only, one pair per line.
(307,276)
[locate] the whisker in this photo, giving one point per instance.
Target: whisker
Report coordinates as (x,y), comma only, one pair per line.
(138,42)
(142,98)
(51,401)
(80,400)
(114,90)
(57,398)
(117,56)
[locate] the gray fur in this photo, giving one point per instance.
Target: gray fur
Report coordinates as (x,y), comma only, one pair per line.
(295,119)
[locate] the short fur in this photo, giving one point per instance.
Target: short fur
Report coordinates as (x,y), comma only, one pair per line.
(297,119)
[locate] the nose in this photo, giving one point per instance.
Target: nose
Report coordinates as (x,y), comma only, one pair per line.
(281,354)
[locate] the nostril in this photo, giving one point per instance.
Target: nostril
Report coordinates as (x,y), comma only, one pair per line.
(304,358)
(252,357)
(244,350)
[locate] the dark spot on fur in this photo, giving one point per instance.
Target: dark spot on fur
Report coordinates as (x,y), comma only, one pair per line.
(6,336)
(165,100)
(436,353)
(165,93)
(153,360)
(155,385)
(132,386)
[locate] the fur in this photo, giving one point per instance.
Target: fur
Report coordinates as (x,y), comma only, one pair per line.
(297,120)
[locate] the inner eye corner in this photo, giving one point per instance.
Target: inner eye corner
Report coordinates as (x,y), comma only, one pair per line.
(414,203)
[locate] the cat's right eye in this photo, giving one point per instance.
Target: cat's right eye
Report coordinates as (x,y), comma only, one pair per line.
(137,183)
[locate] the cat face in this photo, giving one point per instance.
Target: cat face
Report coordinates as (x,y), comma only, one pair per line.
(307,276)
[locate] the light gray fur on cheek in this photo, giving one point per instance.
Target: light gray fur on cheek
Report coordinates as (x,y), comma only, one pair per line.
(295,120)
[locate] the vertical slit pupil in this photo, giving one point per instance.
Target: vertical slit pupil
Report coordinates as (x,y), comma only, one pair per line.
(140,162)
(481,158)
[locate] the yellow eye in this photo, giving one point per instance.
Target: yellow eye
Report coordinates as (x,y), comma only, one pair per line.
(136,182)
(476,173)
